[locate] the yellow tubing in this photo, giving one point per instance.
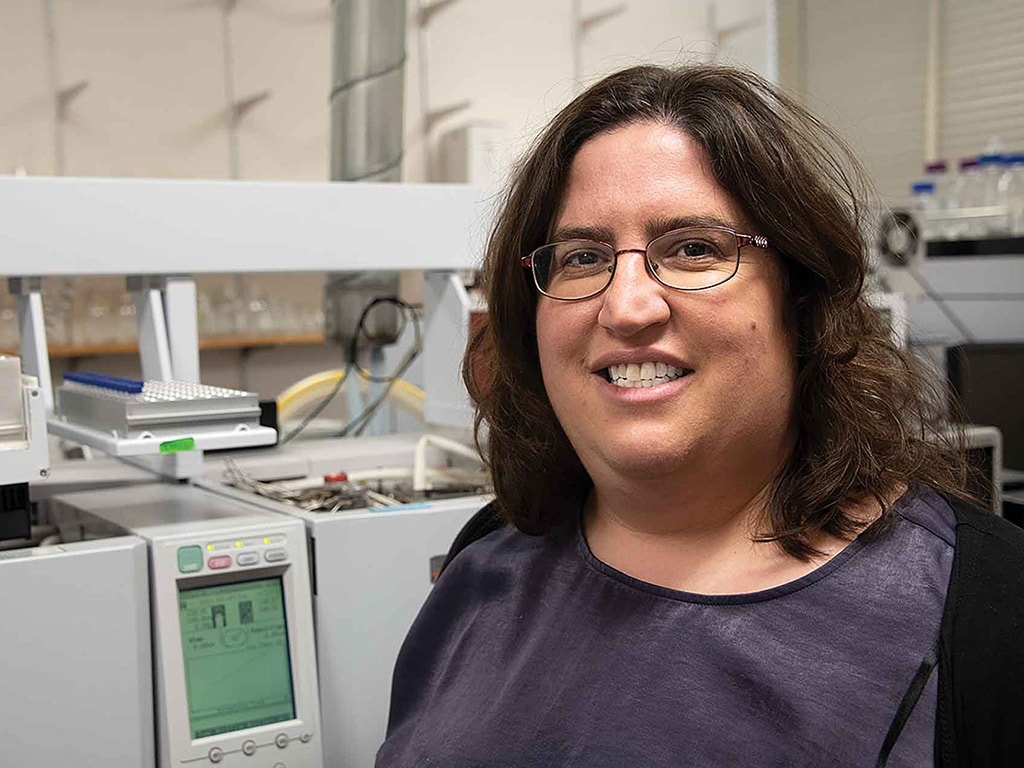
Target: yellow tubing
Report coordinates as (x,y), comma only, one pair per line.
(313,388)
(302,387)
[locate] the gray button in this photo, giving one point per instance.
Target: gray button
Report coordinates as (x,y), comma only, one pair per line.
(281,740)
(215,754)
(248,558)
(305,737)
(249,747)
(280,765)
(275,555)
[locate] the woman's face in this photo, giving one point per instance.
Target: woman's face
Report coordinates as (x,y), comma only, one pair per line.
(732,411)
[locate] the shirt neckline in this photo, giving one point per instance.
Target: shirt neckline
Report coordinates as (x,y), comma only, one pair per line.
(740,598)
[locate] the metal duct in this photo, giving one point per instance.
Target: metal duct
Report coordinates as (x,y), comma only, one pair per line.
(368,91)
(367,101)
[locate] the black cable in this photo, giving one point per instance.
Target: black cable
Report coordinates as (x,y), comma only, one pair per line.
(363,419)
(940,302)
(360,422)
(352,350)
(319,407)
(405,309)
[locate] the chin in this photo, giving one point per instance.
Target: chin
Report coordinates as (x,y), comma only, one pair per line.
(647,467)
(643,458)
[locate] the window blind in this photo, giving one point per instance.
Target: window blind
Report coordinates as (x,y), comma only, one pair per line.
(981,86)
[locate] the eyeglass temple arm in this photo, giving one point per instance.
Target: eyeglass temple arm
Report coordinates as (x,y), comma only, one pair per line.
(758,241)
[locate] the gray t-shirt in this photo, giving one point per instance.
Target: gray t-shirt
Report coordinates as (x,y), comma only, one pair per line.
(532,652)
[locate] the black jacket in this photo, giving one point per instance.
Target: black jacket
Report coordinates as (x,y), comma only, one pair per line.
(980,654)
(980,717)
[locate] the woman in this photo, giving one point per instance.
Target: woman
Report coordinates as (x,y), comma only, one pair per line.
(732,529)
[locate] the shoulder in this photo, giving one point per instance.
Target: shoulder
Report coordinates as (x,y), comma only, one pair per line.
(930,513)
(488,541)
(976,534)
(504,552)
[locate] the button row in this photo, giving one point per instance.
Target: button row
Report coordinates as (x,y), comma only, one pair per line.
(190,559)
(216,754)
(247,558)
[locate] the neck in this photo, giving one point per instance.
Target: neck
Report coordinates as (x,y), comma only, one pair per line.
(694,536)
(721,494)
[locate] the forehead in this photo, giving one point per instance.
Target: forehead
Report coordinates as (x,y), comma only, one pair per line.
(627,180)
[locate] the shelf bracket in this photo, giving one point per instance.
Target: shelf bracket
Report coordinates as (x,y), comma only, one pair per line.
(67,95)
(242,107)
(589,22)
(427,12)
(35,356)
(168,329)
(434,116)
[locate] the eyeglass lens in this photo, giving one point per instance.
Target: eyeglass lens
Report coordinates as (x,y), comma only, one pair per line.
(689,259)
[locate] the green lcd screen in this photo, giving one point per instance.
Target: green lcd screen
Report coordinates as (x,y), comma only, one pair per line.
(234,638)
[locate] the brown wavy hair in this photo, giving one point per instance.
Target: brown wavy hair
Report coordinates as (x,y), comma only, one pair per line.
(870,418)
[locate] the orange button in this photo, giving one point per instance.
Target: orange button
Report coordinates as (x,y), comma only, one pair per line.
(224,561)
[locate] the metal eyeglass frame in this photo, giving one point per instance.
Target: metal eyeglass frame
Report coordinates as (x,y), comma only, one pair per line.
(758,241)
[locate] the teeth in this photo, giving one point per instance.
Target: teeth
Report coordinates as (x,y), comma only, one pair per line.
(632,375)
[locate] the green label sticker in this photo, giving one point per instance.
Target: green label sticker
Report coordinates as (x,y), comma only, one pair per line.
(178,446)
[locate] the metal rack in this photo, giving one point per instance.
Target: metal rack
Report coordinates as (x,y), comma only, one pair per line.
(160,233)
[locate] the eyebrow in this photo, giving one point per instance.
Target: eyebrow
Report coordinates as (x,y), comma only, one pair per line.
(656,227)
(601,234)
(652,229)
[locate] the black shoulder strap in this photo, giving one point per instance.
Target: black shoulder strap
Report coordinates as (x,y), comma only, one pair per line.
(907,704)
(479,525)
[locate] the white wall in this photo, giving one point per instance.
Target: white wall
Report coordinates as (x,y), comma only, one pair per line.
(515,63)
(156,98)
(26,109)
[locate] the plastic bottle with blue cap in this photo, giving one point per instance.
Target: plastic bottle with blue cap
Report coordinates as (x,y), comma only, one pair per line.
(925,207)
(1011,191)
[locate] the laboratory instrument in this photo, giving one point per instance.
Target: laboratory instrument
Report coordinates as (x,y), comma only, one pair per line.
(374,566)
(24,457)
(235,681)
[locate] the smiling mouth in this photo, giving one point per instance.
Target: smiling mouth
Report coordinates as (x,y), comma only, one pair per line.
(646,375)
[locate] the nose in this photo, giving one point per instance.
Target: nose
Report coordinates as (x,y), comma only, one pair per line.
(634,300)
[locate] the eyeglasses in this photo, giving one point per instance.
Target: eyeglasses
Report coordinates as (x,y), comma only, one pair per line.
(690,259)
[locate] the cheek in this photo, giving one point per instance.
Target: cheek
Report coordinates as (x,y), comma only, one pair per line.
(561,337)
(750,334)
(547,342)
(769,353)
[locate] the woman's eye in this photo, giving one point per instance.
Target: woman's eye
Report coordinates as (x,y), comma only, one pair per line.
(582,259)
(694,249)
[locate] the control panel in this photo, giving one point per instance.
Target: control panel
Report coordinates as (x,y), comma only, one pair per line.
(233,553)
